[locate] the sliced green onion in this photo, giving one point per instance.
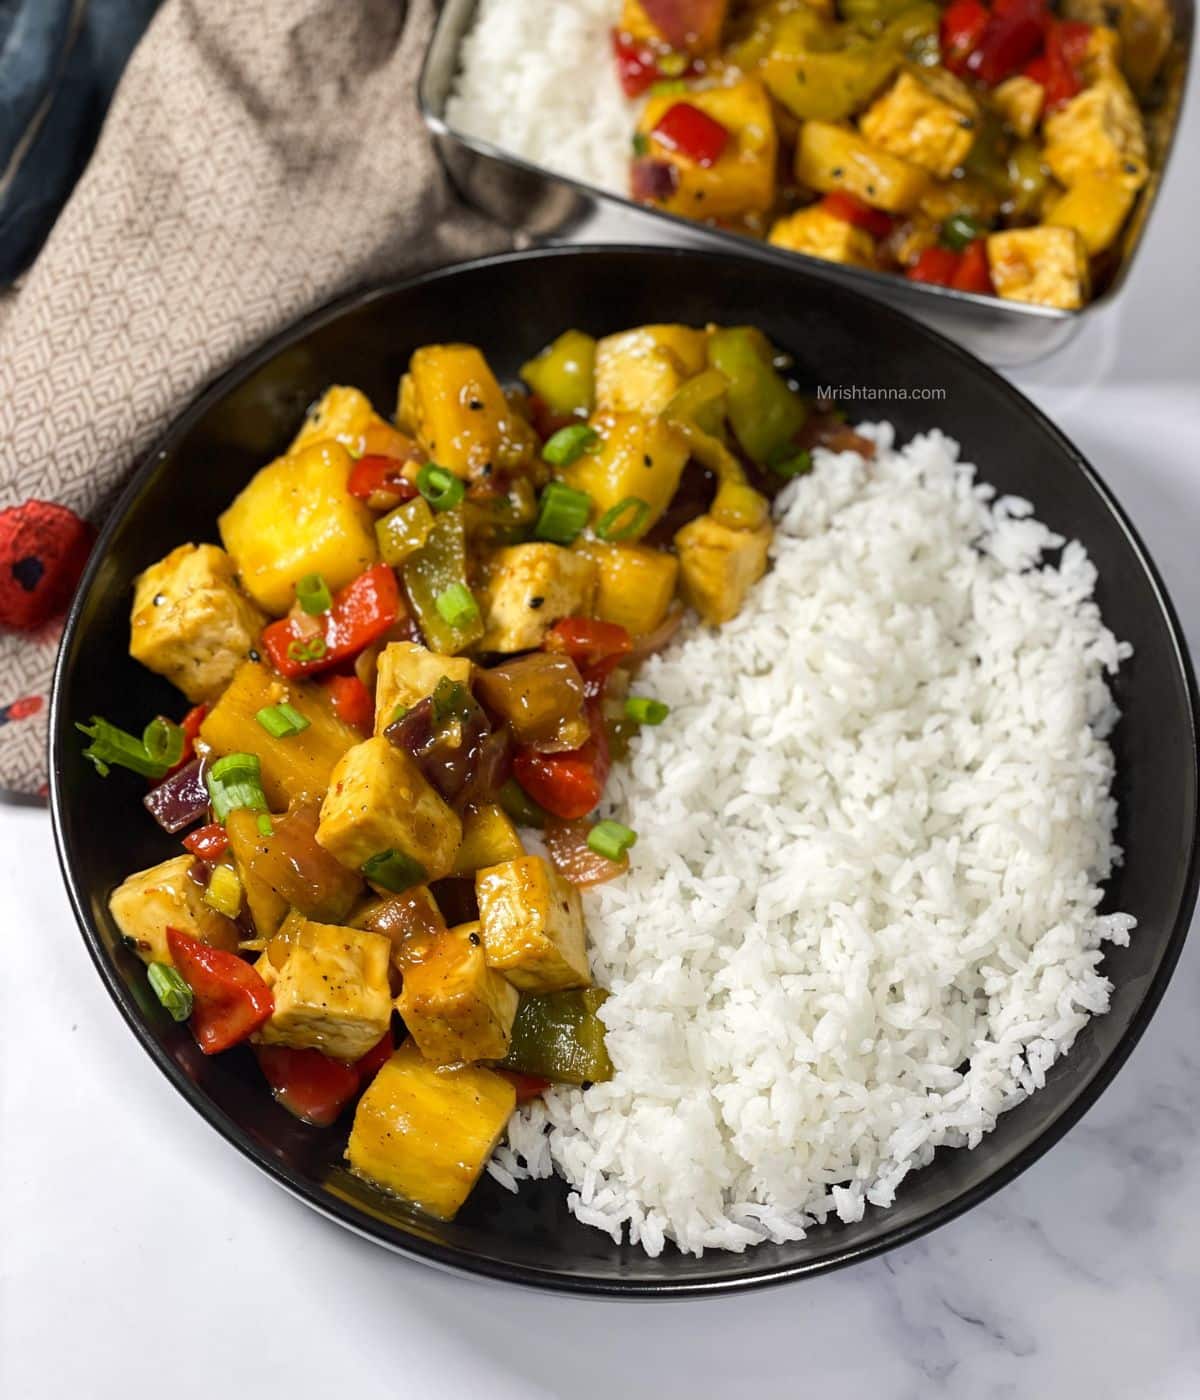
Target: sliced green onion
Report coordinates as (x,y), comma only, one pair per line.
(311,650)
(789,464)
(673,64)
(265,825)
(313,595)
(611,840)
(236,781)
(450,700)
(394,871)
(642,710)
(112,747)
(569,444)
(562,513)
(163,741)
(959,230)
(224,891)
(442,489)
(624,520)
(170,988)
(456,605)
(520,806)
(281,721)
(641,143)
(668,86)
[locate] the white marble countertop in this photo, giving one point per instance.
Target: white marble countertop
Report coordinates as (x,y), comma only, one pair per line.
(141,1256)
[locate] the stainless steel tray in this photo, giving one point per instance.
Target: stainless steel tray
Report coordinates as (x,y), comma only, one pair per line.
(546,205)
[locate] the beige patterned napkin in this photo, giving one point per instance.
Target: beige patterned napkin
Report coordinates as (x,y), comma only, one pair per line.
(258,159)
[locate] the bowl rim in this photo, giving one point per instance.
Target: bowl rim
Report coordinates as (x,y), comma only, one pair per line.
(449,1258)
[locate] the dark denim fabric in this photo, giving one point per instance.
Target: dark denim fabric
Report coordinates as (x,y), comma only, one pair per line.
(60,61)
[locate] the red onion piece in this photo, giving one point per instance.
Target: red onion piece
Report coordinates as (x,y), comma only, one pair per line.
(653,179)
(180,800)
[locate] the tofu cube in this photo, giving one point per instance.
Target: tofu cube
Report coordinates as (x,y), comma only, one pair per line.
(1043,264)
(406,673)
(719,566)
(1019,101)
(639,371)
(820,234)
(529,588)
(461,416)
(191,623)
(331,990)
(634,584)
(636,456)
(532,925)
(296,517)
(145,905)
(426,1133)
(346,415)
(742,179)
(379,800)
(1099,132)
(1096,206)
(832,157)
(455,1006)
(930,123)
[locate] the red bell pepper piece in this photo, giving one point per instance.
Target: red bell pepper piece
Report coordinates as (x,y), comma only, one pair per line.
(687,24)
(962,26)
(361,613)
(567,785)
(190,724)
(595,647)
(528,1086)
(208,843)
(378,477)
(352,702)
(687,131)
(851,210)
(637,64)
(231,1000)
(315,1087)
(1012,37)
(1058,69)
(375,1058)
(935,265)
(973,273)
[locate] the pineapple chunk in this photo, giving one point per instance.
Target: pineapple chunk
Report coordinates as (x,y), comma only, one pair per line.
(489,837)
(191,622)
(345,415)
(636,456)
(1096,206)
(426,1133)
(293,766)
(1100,132)
(823,71)
(820,234)
(145,905)
(294,518)
(529,588)
(331,990)
(930,122)
(1043,264)
(532,925)
(1019,101)
(639,371)
(379,800)
(455,1006)
(832,157)
(460,413)
(407,673)
(719,566)
(634,583)
(742,180)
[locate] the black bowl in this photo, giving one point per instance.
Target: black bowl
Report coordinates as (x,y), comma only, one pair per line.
(512,306)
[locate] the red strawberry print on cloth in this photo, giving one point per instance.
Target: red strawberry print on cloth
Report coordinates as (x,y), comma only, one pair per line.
(43,548)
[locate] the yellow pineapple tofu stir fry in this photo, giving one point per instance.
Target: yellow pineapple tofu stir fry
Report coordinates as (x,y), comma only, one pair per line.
(416,648)
(903,136)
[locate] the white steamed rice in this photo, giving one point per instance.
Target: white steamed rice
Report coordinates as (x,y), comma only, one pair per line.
(538,79)
(861,920)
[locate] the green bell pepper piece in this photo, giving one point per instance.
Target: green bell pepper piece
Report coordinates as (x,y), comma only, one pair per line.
(763,412)
(403,531)
(558,1036)
(439,564)
(564,374)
